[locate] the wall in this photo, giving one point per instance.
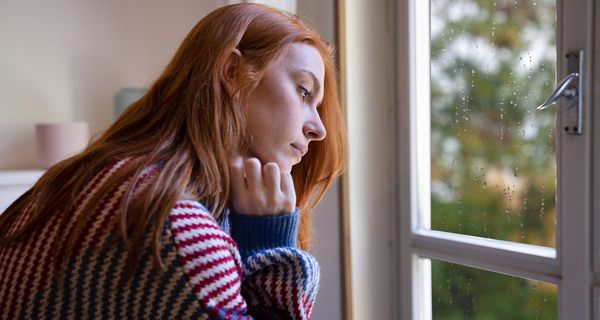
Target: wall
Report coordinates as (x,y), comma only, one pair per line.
(371,83)
(64,60)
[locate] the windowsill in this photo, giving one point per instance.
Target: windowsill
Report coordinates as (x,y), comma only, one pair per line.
(13,183)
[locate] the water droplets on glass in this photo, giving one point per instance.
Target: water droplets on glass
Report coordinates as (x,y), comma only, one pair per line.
(492,157)
(460,292)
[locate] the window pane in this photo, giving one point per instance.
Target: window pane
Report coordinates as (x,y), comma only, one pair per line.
(493,165)
(460,292)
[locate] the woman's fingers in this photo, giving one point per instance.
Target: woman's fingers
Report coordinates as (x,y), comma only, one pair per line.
(289,192)
(253,174)
(272,178)
(238,182)
(261,190)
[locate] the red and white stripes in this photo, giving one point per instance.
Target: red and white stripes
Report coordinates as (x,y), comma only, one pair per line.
(209,257)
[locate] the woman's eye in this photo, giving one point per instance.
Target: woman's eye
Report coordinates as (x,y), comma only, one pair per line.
(304,93)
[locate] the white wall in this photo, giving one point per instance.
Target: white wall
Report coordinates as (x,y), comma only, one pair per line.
(64,60)
(371,121)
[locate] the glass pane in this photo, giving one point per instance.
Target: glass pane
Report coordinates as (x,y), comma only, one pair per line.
(460,292)
(493,164)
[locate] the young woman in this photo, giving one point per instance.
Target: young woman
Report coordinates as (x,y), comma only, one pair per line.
(197,201)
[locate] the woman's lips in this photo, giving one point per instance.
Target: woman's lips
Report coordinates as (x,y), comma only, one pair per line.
(297,152)
(300,150)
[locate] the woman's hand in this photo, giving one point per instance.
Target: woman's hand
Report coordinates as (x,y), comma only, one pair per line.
(261,190)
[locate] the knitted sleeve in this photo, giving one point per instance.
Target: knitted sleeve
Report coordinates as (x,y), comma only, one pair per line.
(280,281)
(270,279)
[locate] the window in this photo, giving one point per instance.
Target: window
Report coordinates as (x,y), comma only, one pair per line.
(498,222)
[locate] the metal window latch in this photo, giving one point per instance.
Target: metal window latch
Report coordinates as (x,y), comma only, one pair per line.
(571,88)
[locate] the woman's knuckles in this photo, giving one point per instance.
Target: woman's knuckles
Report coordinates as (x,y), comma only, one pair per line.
(256,196)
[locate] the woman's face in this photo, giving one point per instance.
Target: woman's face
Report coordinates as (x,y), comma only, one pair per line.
(281,112)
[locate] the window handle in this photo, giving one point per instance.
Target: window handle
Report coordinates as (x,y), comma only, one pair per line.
(571,87)
(562,90)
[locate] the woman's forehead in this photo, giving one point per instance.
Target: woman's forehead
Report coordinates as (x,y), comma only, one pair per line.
(302,56)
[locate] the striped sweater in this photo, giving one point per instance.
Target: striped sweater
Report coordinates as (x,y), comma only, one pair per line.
(241,268)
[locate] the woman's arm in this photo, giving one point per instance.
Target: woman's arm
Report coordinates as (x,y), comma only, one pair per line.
(279,280)
(270,279)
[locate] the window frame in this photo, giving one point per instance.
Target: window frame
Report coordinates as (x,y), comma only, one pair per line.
(569,266)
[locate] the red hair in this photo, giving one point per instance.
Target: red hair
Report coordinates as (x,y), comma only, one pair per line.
(191,125)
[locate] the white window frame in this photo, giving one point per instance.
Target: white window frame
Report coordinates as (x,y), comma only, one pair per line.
(570,266)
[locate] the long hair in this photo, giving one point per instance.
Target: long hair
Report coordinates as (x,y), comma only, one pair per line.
(190,126)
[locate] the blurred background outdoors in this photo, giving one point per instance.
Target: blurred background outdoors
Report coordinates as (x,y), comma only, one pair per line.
(492,153)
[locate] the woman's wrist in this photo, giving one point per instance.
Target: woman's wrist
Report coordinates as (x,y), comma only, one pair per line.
(257,233)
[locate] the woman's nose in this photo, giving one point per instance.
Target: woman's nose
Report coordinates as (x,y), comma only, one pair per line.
(314,128)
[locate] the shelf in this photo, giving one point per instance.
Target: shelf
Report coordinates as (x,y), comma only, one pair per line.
(19,177)
(13,183)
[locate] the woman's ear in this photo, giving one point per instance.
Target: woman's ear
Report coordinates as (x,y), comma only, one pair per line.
(232,68)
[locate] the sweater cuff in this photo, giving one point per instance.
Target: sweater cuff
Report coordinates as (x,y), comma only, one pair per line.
(257,233)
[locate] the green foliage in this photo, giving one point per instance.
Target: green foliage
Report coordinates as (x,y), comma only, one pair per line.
(492,154)
(465,293)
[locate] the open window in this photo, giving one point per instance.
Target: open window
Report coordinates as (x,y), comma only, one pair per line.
(499,218)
